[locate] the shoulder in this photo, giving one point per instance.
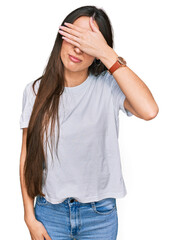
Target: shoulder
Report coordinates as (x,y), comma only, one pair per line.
(106,78)
(104,75)
(28,90)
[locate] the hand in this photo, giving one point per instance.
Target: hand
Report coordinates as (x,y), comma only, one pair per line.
(90,42)
(37,230)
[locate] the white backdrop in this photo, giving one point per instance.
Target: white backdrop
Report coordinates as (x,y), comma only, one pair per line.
(145,34)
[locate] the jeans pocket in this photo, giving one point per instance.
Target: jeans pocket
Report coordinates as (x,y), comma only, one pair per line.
(40,200)
(104,206)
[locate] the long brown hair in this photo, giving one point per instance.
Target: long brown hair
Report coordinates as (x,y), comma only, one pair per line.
(45,108)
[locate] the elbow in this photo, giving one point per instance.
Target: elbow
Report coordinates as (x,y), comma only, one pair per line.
(152,114)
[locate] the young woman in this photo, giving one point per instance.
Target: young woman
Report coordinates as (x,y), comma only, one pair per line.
(75,104)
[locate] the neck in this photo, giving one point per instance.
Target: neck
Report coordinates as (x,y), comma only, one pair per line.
(73,79)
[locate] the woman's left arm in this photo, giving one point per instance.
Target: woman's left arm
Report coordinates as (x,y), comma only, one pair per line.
(139,99)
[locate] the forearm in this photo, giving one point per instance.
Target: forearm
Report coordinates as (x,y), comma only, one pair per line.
(135,90)
(28,202)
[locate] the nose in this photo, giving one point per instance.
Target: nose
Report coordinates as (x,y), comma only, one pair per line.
(77,50)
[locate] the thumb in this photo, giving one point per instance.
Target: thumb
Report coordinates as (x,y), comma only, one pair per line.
(93,25)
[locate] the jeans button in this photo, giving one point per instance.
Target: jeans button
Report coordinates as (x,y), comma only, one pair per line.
(72,200)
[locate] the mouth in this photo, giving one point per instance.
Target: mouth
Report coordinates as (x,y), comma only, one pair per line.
(74,59)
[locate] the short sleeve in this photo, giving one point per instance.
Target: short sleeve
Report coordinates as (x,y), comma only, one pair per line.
(27,105)
(118,96)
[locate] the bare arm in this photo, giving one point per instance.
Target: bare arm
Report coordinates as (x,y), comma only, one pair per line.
(139,99)
(36,228)
(27,201)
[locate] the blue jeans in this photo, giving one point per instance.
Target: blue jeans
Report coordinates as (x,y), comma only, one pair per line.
(75,220)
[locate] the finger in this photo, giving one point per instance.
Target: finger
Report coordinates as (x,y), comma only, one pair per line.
(31,237)
(93,25)
(76,39)
(47,237)
(78,29)
(71,31)
(72,42)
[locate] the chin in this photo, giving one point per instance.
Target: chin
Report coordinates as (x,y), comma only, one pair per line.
(72,69)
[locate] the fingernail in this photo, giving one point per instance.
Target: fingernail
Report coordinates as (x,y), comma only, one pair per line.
(93,16)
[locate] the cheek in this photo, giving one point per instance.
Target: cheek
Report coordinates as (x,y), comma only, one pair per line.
(89,59)
(64,51)
(65,47)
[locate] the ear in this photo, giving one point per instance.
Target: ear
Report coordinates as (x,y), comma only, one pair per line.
(93,25)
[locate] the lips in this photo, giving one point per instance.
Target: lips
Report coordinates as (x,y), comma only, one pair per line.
(74,59)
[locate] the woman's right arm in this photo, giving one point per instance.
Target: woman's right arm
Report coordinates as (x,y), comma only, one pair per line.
(36,228)
(27,201)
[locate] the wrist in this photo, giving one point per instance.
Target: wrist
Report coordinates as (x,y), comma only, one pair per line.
(28,219)
(108,57)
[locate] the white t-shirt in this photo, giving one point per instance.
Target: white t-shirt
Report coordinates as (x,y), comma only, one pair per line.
(89,167)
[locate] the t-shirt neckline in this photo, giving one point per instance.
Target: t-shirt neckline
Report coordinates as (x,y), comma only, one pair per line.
(79,87)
